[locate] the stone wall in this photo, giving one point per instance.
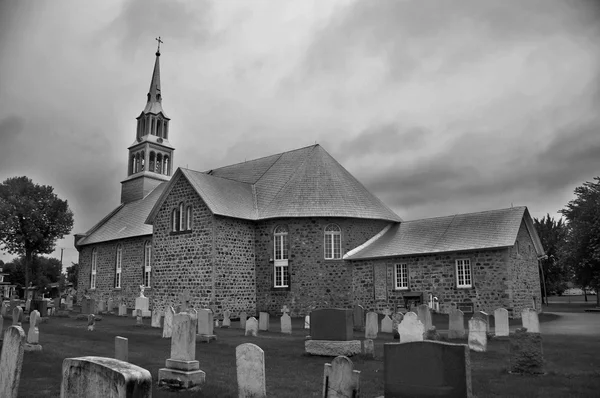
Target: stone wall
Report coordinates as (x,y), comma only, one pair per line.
(523,270)
(314,281)
(131,273)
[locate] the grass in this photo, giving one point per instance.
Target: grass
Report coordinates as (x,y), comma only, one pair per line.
(572,364)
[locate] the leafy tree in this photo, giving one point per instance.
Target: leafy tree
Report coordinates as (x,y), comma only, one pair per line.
(45,270)
(32,218)
(582,252)
(553,233)
(73,274)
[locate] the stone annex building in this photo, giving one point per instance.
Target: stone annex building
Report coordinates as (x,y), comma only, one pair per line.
(295,229)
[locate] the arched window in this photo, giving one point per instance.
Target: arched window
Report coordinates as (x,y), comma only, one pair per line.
(152,160)
(118,267)
(175,220)
(333,242)
(143,160)
(132,165)
(137,162)
(152,127)
(147,263)
(181,217)
(158,168)
(188,218)
(94,268)
(281,276)
(166,165)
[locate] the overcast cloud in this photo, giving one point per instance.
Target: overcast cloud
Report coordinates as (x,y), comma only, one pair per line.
(438,107)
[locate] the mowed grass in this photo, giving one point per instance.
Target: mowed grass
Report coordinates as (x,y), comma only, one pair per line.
(573,364)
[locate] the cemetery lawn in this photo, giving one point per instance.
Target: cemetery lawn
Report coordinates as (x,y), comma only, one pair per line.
(572,364)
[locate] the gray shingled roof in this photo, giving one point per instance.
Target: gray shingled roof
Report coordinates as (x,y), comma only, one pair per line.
(306,182)
(471,231)
(126,221)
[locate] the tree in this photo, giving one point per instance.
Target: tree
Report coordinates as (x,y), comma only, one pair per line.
(582,252)
(44,271)
(73,274)
(32,218)
(553,233)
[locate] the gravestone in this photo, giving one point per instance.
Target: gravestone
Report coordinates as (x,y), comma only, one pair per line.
(142,303)
(526,352)
(387,325)
(33,336)
(250,364)
(477,335)
(168,323)
(17,316)
(226,319)
(156,318)
(501,328)
(185,299)
(96,377)
(331,324)
(122,310)
(411,328)
(182,370)
(396,319)
(424,313)
(11,361)
(91,322)
(251,327)
(263,321)
(88,306)
(457,324)
(138,318)
(426,369)
(286,321)
(194,313)
(358,315)
(371,327)
(121,349)
(205,325)
(340,380)
(307,322)
(484,316)
(110,305)
(4,311)
(369,348)
(101,307)
(27,306)
(530,320)
(243,317)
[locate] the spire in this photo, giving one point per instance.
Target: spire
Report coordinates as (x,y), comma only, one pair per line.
(154,104)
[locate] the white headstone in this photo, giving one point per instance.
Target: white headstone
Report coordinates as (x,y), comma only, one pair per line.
(286,324)
(478,334)
(183,342)
(307,322)
(457,324)
(156,317)
(226,318)
(251,327)
(122,310)
(340,380)
(530,320)
(17,316)
(263,321)
(33,336)
(121,349)
(205,322)
(411,328)
(243,317)
(424,314)
(168,323)
(501,322)
(387,326)
(250,362)
(371,327)
(11,361)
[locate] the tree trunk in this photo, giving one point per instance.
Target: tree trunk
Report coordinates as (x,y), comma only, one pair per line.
(585,295)
(28,262)
(597,298)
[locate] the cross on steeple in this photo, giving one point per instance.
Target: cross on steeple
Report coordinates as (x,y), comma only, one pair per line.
(159,43)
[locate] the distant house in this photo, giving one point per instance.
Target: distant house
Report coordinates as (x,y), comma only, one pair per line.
(296,229)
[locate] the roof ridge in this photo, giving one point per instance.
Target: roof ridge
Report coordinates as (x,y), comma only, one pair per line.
(462,214)
(268,168)
(214,176)
(264,157)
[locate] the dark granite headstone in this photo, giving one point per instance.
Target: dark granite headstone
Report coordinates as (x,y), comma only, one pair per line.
(359,317)
(331,324)
(426,369)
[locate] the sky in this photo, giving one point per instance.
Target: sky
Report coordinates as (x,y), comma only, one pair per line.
(438,107)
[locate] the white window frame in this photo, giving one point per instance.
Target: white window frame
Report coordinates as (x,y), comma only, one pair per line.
(333,242)
(94,268)
(174,219)
(188,218)
(464,273)
(118,267)
(280,257)
(401,276)
(147,264)
(181,217)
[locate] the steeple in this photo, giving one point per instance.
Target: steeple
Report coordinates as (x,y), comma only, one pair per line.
(150,159)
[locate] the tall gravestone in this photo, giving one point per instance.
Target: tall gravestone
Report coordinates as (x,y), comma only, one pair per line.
(251,327)
(457,324)
(250,365)
(17,316)
(243,318)
(226,319)
(122,309)
(11,361)
(484,316)
(477,335)
(359,317)
(340,380)
(33,336)
(206,331)
(286,322)
(426,369)
(263,321)
(156,318)
(331,333)
(387,325)
(168,323)
(121,349)
(372,325)
(529,317)
(411,328)
(501,328)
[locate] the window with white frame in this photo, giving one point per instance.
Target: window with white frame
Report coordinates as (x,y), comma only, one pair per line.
(333,242)
(464,277)
(401,276)
(181,217)
(281,276)
(188,218)
(147,263)
(94,268)
(174,221)
(118,267)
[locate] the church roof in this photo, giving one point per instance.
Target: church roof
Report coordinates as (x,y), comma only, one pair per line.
(460,232)
(126,221)
(305,182)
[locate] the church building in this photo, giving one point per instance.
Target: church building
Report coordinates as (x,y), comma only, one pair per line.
(295,229)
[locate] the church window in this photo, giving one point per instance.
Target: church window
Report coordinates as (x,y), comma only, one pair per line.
(175,220)
(281,255)
(137,162)
(464,276)
(401,276)
(94,268)
(181,217)
(158,167)
(152,127)
(118,267)
(159,128)
(147,263)
(142,160)
(188,218)
(333,242)
(152,160)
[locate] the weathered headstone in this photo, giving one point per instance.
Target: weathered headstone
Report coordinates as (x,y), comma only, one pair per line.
(250,363)
(457,324)
(387,325)
(358,316)
(91,322)
(101,307)
(122,310)
(110,306)
(156,318)
(205,325)
(121,349)
(263,321)
(286,321)
(307,322)
(372,325)
(501,328)
(96,377)
(168,323)
(411,328)
(33,336)
(11,361)
(226,319)
(340,380)
(526,352)
(243,317)
(27,306)
(424,313)
(138,318)
(529,317)
(17,316)
(396,319)
(369,348)
(477,335)
(182,370)
(251,327)
(426,369)
(194,313)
